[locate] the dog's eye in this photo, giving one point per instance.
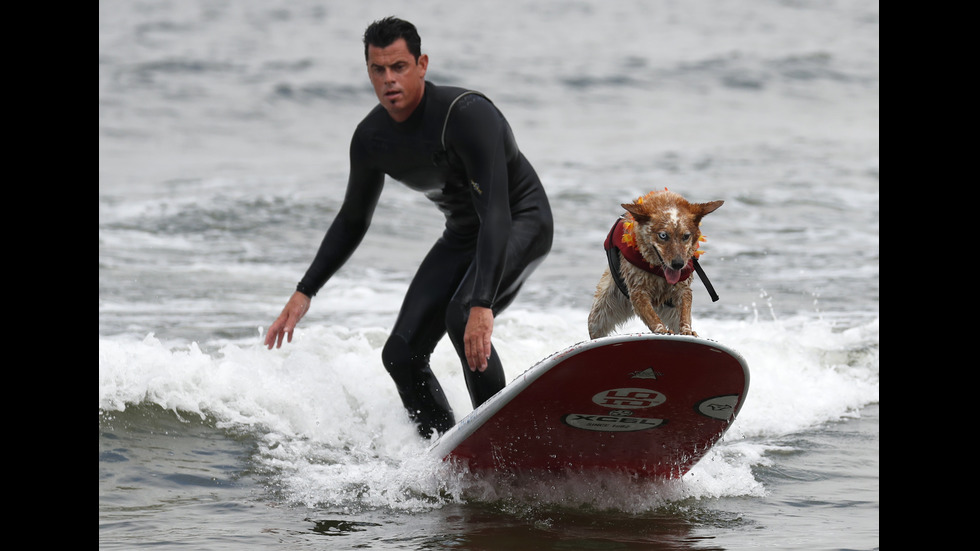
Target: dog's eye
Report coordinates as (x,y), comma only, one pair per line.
(686,236)
(662,235)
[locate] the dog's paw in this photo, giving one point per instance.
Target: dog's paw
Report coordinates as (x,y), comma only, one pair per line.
(662,329)
(686,330)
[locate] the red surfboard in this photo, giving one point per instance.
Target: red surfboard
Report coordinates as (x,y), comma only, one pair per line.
(648,405)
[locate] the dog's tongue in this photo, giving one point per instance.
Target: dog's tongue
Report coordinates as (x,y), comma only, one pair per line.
(672,276)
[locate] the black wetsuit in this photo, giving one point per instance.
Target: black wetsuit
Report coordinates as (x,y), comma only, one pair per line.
(498,229)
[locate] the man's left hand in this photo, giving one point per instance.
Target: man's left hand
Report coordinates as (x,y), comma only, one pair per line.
(476,339)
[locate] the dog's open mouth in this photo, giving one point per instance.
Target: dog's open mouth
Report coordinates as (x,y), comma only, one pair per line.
(671,275)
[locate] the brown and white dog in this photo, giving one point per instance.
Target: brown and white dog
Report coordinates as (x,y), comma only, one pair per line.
(654,244)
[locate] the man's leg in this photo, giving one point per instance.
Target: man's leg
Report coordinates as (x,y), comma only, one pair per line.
(418,329)
(529,244)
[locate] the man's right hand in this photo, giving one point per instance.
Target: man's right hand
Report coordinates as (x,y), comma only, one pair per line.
(284,325)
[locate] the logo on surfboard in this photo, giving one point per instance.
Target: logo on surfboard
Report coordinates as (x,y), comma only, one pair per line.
(647,373)
(629,398)
(719,407)
(610,423)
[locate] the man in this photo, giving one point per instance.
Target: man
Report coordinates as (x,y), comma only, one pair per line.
(457,148)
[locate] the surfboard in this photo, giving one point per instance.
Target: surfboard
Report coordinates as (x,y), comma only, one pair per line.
(648,405)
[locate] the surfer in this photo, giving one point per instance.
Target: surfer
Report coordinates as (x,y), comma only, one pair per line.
(454,146)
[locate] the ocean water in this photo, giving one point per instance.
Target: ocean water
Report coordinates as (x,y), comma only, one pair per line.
(223,133)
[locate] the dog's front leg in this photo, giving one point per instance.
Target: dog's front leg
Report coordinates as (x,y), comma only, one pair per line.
(643,306)
(686,299)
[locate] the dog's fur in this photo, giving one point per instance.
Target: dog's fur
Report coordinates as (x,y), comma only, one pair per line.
(666,226)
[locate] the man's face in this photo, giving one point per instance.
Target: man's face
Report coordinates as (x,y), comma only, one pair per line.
(398,79)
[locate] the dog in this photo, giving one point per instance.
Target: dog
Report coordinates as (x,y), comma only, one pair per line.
(655,244)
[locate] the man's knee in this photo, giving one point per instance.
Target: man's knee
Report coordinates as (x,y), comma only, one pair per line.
(456,315)
(397,356)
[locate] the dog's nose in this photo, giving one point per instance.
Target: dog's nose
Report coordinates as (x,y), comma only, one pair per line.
(677,264)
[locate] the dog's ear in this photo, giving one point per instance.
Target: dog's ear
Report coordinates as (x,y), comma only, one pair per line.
(701,209)
(637,211)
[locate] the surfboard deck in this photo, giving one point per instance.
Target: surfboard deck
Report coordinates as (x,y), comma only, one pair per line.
(649,405)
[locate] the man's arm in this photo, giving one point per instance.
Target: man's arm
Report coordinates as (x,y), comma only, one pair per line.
(345,234)
(480,136)
(364,187)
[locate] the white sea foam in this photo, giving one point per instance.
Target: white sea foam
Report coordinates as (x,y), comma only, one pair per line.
(329,420)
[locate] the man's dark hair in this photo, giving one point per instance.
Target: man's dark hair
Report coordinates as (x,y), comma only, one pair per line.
(385,32)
